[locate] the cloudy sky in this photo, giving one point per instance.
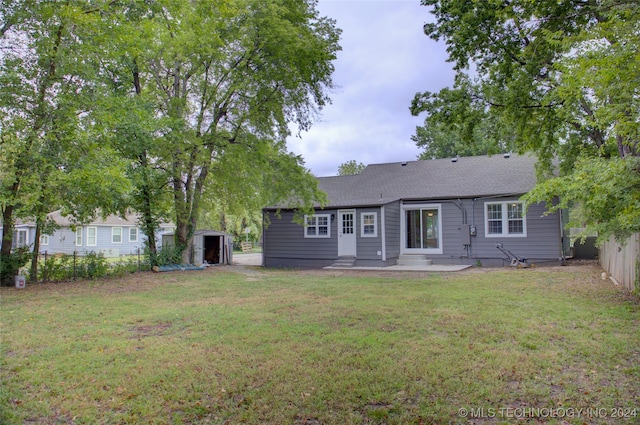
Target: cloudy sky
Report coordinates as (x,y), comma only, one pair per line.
(385,60)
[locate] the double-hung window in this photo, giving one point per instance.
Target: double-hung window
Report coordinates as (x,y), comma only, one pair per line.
(317,226)
(20,239)
(116,234)
(79,236)
(133,234)
(369,224)
(92,236)
(505,219)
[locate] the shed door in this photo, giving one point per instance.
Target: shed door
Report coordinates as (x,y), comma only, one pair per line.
(346,233)
(212,249)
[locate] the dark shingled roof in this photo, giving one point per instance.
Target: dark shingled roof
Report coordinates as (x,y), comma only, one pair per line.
(467,177)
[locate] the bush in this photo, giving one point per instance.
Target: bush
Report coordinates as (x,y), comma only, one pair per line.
(10,265)
(129,265)
(169,255)
(92,265)
(56,269)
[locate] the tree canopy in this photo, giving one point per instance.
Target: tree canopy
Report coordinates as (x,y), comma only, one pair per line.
(350,167)
(158,106)
(46,154)
(557,78)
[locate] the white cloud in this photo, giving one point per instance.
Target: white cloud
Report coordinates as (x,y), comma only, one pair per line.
(385,60)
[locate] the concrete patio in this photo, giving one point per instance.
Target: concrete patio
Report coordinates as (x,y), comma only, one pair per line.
(255,259)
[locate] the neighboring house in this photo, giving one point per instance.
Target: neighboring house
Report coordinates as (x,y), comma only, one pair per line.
(449,211)
(113,236)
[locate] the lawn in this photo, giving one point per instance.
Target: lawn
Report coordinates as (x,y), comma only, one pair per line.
(233,345)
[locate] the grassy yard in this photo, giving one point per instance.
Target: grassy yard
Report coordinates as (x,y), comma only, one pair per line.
(244,345)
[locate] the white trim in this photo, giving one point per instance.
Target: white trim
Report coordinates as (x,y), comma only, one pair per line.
(317,226)
(113,234)
(95,236)
(505,220)
(79,235)
(17,243)
(383,235)
(44,240)
(137,234)
(403,229)
(347,242)
(375,224)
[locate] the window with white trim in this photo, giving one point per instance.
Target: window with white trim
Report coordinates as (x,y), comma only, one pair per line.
(133,234)
(317,226)
(116,234)
(369,224)
(79,236)
(44,240)
(505,219)
(20,238)
(92,236)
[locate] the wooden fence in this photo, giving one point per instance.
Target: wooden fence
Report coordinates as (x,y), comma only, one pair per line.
(623,261)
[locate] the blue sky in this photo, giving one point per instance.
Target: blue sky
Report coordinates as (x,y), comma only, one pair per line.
(385,60)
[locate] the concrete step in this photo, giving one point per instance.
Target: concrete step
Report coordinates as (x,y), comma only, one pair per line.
(413,260)
(344,262)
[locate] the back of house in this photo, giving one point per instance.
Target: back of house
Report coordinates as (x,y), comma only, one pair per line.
(447,211)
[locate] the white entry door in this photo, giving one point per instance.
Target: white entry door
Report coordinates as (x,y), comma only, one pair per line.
(346,233)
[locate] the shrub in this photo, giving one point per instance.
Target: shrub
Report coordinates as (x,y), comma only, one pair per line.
(169,255)
(10,265)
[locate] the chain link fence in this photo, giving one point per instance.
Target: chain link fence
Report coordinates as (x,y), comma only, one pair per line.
(86,265)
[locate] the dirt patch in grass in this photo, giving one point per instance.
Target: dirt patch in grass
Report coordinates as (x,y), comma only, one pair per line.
(157,329)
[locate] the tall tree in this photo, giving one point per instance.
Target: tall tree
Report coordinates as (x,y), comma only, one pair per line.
(226,78)
(45,149)
(558,78)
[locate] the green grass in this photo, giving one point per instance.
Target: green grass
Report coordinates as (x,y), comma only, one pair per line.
(292,347)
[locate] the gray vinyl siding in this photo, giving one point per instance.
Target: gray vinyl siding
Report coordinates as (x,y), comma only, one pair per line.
(452,218)
(63,241)
(284,244)
(542,243)
(392,231)
(368,249)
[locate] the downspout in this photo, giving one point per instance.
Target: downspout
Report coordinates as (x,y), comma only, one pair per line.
(460,205)
(383,234)
(563,259)
(474,228)
(264,242)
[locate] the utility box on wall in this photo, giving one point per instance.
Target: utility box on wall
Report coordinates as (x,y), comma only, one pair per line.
(465,234)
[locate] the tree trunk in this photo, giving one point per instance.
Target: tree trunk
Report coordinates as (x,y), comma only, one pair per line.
(33,273)
(184,239)
(149,222)
(7,241)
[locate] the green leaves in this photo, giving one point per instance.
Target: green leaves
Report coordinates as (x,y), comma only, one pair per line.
(157,105)
(350,168)
(604,195)
(559,79)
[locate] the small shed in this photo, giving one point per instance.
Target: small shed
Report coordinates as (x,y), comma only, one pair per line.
(209,247)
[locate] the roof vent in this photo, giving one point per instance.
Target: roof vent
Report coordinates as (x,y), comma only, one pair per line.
(507,155)
(454,159)
(404,164)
